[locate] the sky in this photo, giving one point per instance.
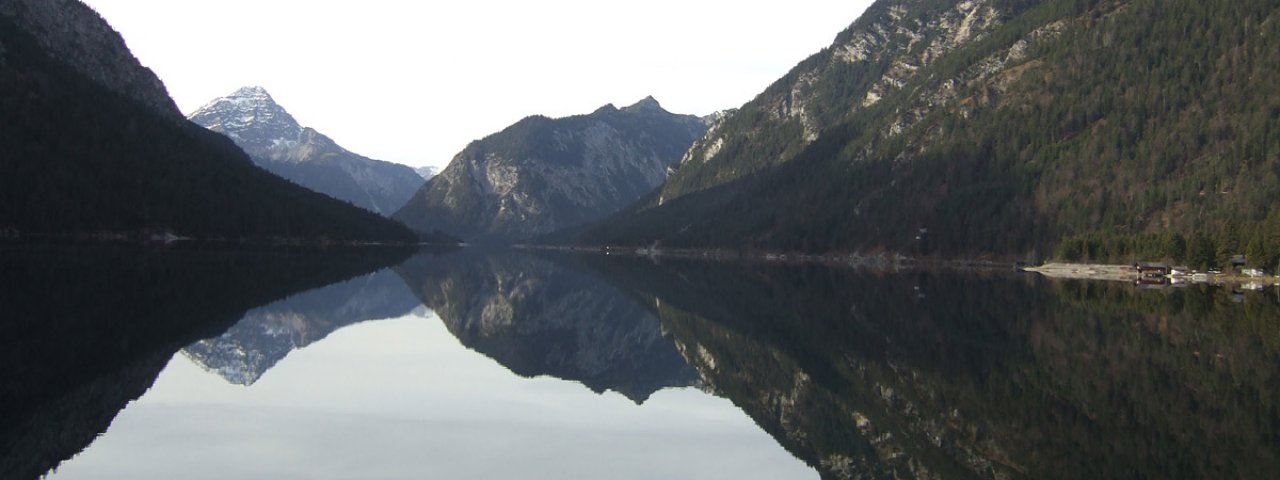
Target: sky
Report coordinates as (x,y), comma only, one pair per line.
(413,82)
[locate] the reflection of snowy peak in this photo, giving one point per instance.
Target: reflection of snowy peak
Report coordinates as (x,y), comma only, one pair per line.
(265,335)
(253,346)
(275,141)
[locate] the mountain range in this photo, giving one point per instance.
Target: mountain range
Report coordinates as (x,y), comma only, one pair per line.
(276,142)
(1081,129)
(1103,129)
(94,147)
(541,174)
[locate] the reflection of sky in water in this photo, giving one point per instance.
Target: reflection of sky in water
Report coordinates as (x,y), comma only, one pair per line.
(403,399)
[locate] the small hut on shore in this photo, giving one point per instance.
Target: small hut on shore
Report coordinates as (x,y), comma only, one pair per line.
(1152,269)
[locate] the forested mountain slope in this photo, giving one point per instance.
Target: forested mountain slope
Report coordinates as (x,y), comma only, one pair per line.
(1087,128)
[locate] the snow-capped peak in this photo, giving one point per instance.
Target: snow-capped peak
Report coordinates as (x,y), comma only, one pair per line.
(249,116)
(251,91)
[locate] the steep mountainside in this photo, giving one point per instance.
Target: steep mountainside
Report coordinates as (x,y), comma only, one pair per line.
(542,174)
(1002,126)
(77,35)
(276,142)
(87,150)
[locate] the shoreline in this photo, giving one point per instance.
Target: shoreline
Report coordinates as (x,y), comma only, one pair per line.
(892,261)
(167,239)
(1086,271)
(886,261)
(1126,273)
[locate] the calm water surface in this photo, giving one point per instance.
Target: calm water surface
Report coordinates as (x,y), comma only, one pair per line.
(400,398)
(470,365)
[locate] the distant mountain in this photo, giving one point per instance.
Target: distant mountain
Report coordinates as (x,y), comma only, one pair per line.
(541,174)
(276,142)
(427,172)
(92,146)
(1103,129)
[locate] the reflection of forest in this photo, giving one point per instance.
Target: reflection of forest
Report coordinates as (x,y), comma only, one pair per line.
(540,318)
(996,376)
(86,330)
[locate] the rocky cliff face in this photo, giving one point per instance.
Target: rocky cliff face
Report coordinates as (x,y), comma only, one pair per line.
(874,58)
(277,142)
(541,175)
(76,35)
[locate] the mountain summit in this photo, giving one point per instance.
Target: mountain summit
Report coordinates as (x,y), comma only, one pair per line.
(251,118)
(541,174)
(648,105)
(277,142)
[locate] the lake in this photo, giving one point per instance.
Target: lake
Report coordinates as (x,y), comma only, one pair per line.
(198,362)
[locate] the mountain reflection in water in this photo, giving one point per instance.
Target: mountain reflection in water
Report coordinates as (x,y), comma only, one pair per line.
(915,374)
(947,374)
(86,330)
(537,317)
(356,403)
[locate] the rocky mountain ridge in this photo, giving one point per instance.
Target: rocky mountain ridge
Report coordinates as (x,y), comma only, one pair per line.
(874,58)
(541,174)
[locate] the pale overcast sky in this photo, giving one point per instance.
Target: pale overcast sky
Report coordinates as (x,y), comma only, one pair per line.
(414,81)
